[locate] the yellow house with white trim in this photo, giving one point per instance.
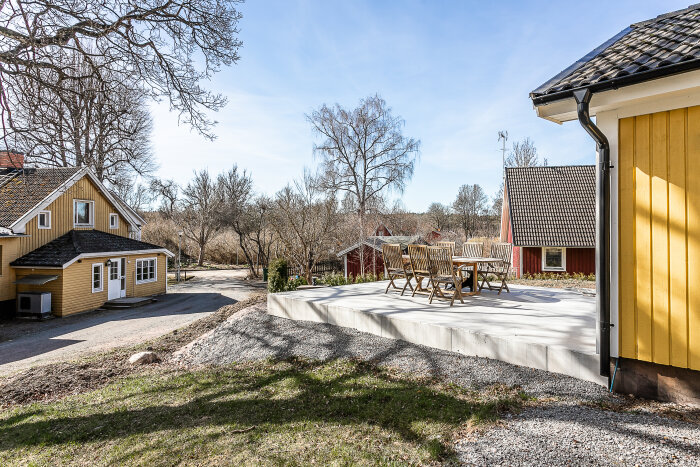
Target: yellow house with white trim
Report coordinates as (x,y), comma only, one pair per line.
(62,231)
(643,88)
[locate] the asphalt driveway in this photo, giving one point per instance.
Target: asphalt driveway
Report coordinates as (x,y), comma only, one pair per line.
(28,343)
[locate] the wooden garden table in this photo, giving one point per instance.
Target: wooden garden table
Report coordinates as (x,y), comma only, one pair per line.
(464,261)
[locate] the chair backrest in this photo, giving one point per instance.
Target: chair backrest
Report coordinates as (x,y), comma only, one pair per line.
(502,251)
(440,259)
(450,245)
(392,256)
(418,255)
(473,249)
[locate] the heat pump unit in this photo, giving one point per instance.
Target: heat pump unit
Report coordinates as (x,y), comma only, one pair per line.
(34,304)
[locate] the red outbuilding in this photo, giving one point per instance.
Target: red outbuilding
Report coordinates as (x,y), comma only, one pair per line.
(549,217)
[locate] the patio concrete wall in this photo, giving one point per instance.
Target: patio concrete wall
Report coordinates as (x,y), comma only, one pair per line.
(556,359)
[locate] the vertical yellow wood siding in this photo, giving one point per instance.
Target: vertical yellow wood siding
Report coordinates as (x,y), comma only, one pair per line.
(72,291)
(8,252)
(659,230)
(62,217)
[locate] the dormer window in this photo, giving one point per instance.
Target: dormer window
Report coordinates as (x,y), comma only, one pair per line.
(114,221)
(43,220)
(83,213)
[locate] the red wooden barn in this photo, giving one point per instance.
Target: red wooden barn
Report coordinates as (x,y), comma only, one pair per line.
(549,217)
(372,253)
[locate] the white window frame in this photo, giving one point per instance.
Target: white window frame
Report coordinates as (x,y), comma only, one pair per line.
(155,270)
(48,220)
(92,277)
(91,222)
(113,215)
(544,259)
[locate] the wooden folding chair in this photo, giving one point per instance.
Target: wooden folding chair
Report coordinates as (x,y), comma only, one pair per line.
(443,272)
(450,245)
(418,256)
(504,252)
(473,249)
(395,267)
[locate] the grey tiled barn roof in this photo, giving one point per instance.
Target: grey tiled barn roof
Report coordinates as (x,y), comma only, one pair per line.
(552,206)
(650,49)
(68,246)
(22,190)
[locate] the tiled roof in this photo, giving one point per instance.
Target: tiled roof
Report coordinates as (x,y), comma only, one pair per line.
(662,46)
(63,249)
(21,190)
(552,206)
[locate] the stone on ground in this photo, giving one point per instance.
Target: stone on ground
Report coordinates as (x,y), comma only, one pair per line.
(144,358)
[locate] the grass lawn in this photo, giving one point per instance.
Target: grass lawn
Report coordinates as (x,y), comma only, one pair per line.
(289,412)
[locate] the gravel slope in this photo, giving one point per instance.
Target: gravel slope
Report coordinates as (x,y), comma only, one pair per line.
(559,431)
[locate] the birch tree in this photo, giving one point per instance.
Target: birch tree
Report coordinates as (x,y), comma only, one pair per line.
(363,153)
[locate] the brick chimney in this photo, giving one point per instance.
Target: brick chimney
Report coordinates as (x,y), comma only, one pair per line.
(11,160)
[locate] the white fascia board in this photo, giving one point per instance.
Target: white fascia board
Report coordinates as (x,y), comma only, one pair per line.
(668,93)
(356,245)
(118,204)
(105,254)
(100,254)
(19,225)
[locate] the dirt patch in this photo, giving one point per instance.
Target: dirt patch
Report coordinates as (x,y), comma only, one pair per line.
(58,380)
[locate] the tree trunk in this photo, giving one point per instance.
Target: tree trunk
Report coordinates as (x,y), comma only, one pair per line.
(200,260)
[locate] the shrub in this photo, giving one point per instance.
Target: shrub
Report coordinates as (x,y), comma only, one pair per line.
(277,276)
(293,284)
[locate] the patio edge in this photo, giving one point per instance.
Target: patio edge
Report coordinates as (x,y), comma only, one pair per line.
(555,359)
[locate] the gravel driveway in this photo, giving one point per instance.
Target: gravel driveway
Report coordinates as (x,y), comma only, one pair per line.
(558,431)
(28,343)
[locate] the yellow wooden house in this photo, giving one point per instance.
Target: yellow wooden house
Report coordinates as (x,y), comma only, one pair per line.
(643,88)
(62,231)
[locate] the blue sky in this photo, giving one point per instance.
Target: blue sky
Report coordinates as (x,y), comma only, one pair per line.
(456,71)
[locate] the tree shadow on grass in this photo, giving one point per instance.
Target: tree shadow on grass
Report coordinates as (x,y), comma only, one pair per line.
(346,393)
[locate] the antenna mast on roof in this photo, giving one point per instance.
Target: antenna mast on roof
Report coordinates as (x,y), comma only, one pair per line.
(503,135)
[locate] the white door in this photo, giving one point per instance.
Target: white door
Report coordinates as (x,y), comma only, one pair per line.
(114,279)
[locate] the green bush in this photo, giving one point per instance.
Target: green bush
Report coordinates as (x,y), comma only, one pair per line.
(293,284)
(560,276)
(277,276)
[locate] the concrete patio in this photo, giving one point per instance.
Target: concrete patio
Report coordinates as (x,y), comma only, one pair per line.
(543,328)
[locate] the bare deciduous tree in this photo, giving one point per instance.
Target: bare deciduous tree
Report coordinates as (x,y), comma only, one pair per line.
(305,219)
(469,206)
(153,43)
(363,153)
(439,215)
(524,154)
(137,196)
(237,210)
(200,214)
(167,191)
(83,123)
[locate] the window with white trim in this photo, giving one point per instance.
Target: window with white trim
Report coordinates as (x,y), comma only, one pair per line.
(83,213)
(145,270)
(96,277)
(114,221)
(43,220)
(553,259)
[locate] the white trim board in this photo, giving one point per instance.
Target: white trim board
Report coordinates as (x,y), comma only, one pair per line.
(19,226)
(675,91)
(100,254)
